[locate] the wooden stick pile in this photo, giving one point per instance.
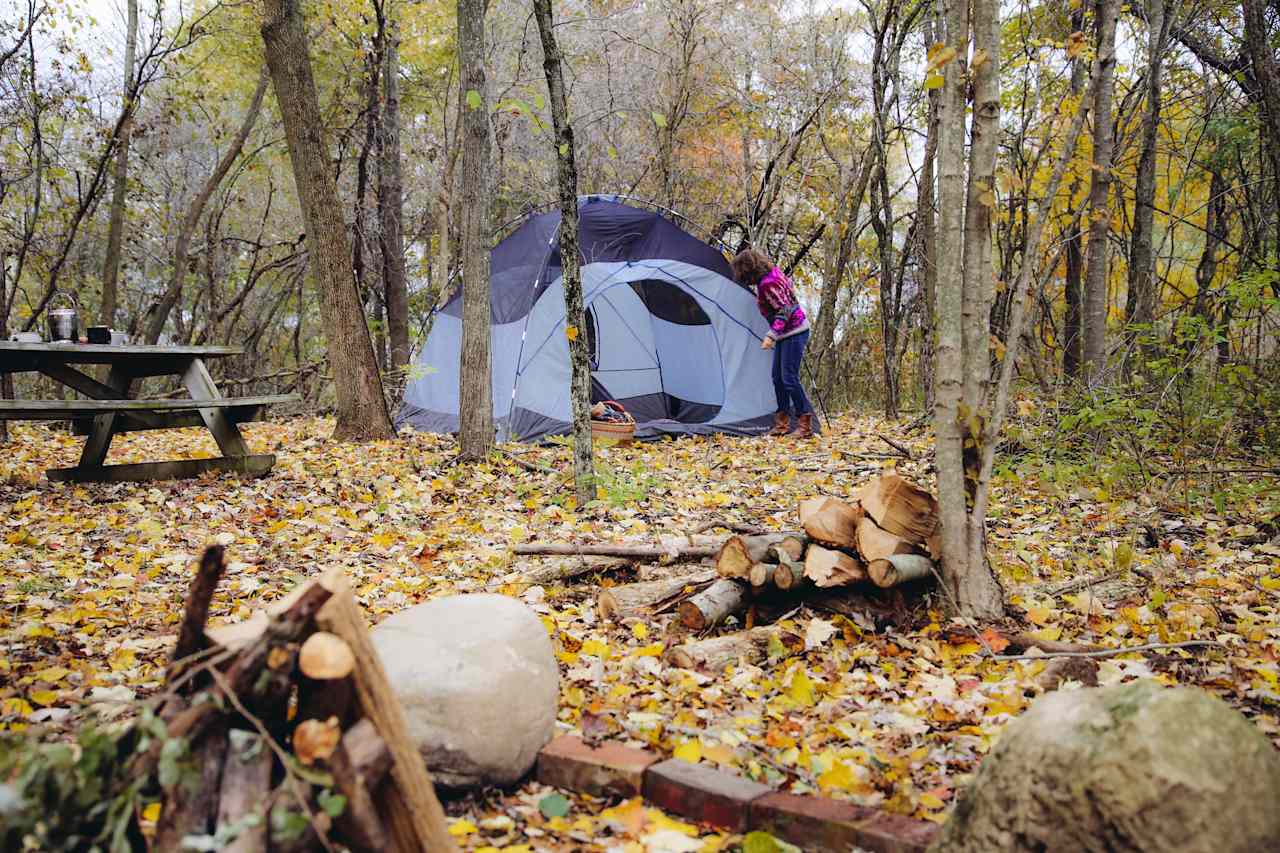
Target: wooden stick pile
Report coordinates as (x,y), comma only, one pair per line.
(282,733)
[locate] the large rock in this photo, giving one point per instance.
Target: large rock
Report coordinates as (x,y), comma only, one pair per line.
(1135,767)
(478,680)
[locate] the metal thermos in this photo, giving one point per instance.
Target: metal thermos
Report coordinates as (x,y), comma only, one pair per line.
(64,323)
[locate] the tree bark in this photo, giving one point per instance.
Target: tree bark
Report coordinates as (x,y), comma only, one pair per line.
(361,408)
(1142,295)
(182,243)
(575,315)
(115,226)
(1097,254)
(475,419)
(391,205)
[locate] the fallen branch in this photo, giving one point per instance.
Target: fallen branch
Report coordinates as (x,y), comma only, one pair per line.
(1083,583)
(898,447)
(674,552)
(196,612)
(713,654)
(1108,653)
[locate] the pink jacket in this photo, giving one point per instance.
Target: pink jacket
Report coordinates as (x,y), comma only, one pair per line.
(776,299)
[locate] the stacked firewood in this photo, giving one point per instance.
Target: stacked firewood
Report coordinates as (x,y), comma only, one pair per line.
(885,535)
(282,733)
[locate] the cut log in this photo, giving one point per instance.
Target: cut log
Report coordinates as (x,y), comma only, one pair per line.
(761,576)
(788,576)
(739,553)
(899,568)
(714,604)
(410,808)
(324,656)
(640,599)
(246,782)
(828,568)
(358,765)
(900,508)
(713,654)
(875,543)
(830,521)
(673,549)
(790,546)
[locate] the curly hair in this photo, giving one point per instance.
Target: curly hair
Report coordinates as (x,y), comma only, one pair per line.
(750,265)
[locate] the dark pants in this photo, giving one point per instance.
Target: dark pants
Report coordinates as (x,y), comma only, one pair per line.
(787,355)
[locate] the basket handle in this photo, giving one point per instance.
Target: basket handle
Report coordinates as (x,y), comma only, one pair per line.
(63,295)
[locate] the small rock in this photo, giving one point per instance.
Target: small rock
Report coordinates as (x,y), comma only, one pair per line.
(1135,767)
(479,683)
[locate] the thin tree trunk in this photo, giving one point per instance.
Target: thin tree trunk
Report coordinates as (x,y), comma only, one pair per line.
(475,419)
(948,350)
(391,206)
(115,227)
(927,216)
(575,316)
(361,407)
(1266,70)
(1073,285)
(182,244)
(824,329)
(1097,254)
(1141,299)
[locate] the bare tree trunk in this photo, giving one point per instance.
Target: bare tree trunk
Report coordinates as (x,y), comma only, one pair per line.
(971,585)
(182,243)
(1266,71)
(391,205)
(475,418)
(1142,296)
(361,407)
(1097,257)
(115,226)
(575,316)
(927,216)
(1073,284)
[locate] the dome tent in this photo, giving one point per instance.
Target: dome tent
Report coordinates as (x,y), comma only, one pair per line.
(671,336)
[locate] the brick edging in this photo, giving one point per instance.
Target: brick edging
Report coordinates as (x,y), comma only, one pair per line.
(709,796)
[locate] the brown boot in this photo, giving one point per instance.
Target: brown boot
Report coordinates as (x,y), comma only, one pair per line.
(781,424)
(804,426)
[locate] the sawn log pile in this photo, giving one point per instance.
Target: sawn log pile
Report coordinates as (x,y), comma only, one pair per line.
(884,537)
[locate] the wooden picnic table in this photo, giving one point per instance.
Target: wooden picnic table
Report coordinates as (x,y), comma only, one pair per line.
(110,409)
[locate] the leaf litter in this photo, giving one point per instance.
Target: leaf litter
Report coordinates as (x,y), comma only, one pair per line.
(93,577)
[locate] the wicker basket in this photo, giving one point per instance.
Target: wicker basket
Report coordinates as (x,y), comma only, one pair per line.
(615,432)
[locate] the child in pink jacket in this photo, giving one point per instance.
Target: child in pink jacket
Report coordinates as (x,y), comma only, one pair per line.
(788,334)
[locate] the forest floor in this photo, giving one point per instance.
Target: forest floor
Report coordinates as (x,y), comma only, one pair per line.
(93,577)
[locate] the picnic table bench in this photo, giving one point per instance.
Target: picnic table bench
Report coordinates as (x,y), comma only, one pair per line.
(109,408)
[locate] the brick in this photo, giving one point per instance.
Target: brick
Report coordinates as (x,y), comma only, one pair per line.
(826,825)
(701,793)
(609,770)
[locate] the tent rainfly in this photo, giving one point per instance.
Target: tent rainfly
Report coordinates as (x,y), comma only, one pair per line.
(671,336)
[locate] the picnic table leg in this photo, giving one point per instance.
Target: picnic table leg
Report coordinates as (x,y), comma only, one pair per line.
(104,426)
(201,387)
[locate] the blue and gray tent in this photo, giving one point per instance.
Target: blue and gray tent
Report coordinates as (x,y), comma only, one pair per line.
(672,337)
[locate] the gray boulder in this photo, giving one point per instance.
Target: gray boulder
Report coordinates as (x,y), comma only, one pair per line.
(1135,767)
(478,680)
